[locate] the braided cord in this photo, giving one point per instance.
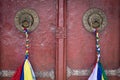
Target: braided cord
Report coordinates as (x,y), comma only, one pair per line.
(26,43)
(97,44)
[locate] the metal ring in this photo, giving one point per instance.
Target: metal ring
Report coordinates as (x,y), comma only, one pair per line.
(28,15)
(96,15)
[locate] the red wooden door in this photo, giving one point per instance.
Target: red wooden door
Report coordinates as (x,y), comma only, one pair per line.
(60,47)
(81,54)
(42,40)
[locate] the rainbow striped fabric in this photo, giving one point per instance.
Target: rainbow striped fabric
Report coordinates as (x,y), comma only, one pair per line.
(98,73)
(24,72)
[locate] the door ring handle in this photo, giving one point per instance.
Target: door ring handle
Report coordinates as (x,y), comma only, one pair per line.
(26,18)
(94,18)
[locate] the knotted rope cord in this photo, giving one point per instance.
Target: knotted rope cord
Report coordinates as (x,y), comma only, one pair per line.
(97,44)
(26,43)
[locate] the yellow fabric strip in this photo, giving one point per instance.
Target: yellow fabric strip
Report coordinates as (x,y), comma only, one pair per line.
(27,71)
(103,78)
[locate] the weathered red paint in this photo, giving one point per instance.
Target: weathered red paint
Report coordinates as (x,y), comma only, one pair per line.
(85,78)
(42,40)
(81,43)
(77,50)
(61,73)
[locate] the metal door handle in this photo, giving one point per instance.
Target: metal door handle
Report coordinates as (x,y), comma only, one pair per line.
(26,18)
(94,18)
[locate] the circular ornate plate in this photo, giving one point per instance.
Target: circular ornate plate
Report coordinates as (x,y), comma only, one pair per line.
(26,18)
(94,18)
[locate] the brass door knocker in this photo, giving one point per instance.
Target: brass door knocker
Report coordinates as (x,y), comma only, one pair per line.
(94,18)
(26,18)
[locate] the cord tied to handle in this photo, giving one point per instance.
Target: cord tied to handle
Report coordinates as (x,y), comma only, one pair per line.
(26,42)
(97,44)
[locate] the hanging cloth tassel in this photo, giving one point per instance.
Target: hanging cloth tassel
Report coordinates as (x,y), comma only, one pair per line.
(25,71)
(98,71)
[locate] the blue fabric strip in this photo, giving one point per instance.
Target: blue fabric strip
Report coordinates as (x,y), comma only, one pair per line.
(26,56)
(22,74)
(99,72)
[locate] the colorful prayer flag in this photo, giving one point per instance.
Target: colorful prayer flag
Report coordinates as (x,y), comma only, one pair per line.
(17,74)
(24,72)
(98,73)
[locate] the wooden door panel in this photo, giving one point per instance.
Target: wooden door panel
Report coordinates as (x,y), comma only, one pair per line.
(81,53)
(79,41)
(42,40)
(85,78)
(51,44)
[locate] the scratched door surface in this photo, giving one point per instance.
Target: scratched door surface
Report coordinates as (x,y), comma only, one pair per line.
(74,51)
(42,40)
(81,54)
